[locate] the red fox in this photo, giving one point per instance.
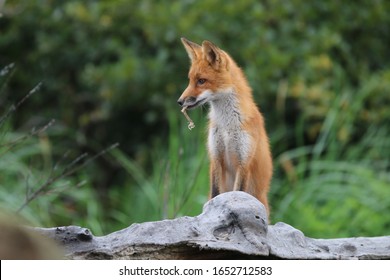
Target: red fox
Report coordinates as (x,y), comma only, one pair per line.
(238,146)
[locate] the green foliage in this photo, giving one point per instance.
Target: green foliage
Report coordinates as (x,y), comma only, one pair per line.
(112,71)
(27,169)
(44,190)
(178,181)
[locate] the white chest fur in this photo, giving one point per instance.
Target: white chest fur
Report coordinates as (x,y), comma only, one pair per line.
(226,137)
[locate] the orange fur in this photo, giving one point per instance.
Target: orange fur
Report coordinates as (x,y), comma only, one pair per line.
(239,152)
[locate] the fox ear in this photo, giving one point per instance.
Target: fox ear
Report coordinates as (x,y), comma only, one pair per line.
(193,49)
(212,53)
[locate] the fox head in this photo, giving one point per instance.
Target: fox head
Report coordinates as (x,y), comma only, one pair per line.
(209,75)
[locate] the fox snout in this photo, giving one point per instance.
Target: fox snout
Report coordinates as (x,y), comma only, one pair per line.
(188,101)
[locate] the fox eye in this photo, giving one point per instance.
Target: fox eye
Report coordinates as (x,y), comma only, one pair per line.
(201,81)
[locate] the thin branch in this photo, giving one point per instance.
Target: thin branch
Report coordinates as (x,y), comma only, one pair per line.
(65,186)
(64,156)
(8,71)
(13,108)
(34,132)
(67,171)
(75,162)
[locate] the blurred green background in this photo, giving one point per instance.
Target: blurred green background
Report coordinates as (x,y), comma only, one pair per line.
(111,71)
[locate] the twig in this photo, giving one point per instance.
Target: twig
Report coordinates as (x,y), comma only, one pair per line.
(191,124)
(15,142)
(67,171)
(13,108)
(7,69)
(64,156)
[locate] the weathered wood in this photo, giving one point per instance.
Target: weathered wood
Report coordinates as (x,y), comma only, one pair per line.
(232,225)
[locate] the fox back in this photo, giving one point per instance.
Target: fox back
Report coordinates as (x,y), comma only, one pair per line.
(238,146)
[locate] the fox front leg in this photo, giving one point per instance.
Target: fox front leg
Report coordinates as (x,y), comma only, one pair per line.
(240,180)
(217,178)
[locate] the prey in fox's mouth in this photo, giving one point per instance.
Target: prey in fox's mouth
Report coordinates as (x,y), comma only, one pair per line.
(191,124)
(190,103)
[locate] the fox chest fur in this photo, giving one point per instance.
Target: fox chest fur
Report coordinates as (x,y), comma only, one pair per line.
(228,143)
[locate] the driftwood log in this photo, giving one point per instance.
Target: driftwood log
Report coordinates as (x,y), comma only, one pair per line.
(232,226)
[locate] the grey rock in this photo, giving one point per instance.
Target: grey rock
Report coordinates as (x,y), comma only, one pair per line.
(232,225)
